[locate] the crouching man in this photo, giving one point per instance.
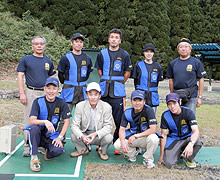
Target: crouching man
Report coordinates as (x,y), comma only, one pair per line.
(92,123)
(142,130)
(45,115)
(180,134)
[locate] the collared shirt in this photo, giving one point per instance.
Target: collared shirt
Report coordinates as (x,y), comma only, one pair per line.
(92,119)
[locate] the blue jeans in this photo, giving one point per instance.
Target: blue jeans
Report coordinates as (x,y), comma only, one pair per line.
(191,104)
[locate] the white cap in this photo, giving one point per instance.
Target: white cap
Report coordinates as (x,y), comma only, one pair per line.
(93,86)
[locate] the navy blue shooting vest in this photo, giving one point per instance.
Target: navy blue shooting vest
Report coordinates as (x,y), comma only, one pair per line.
(174,135)
(53,118)
(133,126)
(109,74)
(68,93)
(149,84)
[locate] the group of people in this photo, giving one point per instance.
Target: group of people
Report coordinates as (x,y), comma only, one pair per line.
(97,106)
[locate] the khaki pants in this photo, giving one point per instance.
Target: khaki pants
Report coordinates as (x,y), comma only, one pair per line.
(150,143)
(31,95)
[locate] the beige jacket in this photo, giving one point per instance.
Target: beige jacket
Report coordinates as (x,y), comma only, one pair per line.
(103,119)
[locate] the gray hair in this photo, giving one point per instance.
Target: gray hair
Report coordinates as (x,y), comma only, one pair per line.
(35,37)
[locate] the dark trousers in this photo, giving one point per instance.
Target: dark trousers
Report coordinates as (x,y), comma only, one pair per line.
(117,112)
(172,155)
(36,139)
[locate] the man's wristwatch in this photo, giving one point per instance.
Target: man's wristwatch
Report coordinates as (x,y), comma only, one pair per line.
(193,142)
(200,97)
(61,137)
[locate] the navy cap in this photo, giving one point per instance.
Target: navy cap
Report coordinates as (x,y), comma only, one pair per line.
(52,80)
(149,46)
(77,35)
(172,97)
(184,40)
(137,94)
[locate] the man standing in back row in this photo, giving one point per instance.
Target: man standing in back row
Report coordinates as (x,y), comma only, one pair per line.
(36,68)
(73,71)
(114,66)
(183,73)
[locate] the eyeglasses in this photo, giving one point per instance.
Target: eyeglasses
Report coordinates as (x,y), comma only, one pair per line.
(37,44)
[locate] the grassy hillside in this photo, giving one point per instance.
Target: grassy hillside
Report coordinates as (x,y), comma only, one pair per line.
(16,35)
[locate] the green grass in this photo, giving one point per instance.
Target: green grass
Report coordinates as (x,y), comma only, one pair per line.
(8,85)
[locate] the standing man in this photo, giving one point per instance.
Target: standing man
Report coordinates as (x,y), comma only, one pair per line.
(45,115)
(73,71)
(114,66)
(92,123)
(183,73)
(147,74)
(36,68)
(180,134)
(142,130)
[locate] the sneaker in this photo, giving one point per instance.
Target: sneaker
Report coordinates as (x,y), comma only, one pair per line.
(41,150)
(76,153)
(26,152)
(116,152)
(35,165)
(148,163)
(130,159)
(97,148)
(190,164)
(102,156)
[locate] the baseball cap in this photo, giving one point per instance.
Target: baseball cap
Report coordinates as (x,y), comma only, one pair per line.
(137,94)
(172,97)
(52,80)
(77,35)
(93,86)
(149,46)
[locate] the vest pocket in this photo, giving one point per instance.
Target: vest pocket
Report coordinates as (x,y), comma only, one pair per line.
(83,71)
(154,77)
(155,99)
(117,66)
(119,89)
(67,94)
(102,86)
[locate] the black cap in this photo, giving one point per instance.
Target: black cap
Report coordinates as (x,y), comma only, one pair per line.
(77,35)
(184,40)
(149,46)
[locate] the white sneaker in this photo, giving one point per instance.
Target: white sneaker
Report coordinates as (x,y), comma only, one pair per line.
(41,150)
(148,163)
(130,159)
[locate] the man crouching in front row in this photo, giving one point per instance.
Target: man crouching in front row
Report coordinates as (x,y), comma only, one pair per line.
(92,123)
(142,132)
(180,134)
(45,115)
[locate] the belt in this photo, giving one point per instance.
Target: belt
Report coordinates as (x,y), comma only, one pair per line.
(36,89)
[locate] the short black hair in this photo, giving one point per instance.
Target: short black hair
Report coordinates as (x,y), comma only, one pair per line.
(115,30)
